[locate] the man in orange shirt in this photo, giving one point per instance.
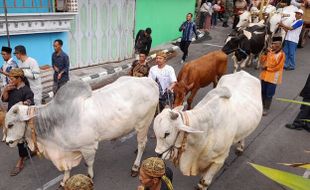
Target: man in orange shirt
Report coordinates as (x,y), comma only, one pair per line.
(272,68)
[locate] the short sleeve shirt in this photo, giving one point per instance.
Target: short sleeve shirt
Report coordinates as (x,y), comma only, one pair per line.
(165,76)
(22,94)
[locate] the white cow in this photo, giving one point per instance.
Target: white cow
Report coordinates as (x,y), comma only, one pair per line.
(285,15)
(199,140)
(72,124)
(251,18)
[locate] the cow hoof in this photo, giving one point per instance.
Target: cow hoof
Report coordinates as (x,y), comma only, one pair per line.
(238,152)
(90,176)
(134,173)
(60,187)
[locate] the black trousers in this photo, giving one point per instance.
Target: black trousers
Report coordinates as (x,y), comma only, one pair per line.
(304,113)
(184,48)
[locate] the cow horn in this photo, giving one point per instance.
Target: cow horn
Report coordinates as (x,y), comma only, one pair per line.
(174,115)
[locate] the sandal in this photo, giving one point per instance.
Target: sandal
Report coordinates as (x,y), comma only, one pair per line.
(16,171)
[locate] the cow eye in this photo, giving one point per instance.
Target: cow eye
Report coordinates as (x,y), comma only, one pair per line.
(10,126)
(166,134)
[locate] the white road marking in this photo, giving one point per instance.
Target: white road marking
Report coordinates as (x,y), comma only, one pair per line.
(52,182)
(212,45)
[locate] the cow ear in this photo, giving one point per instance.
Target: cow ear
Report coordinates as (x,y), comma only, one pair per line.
(189,129)
(15,110)
(173,115)
(178,108)
(188,87)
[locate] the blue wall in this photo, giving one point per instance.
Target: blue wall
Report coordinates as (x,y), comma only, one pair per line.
(27,8)
(38,46)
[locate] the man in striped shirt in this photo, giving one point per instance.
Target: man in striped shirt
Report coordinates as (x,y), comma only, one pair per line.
(188,28)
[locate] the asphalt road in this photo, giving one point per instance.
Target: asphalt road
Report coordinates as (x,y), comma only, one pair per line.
(271,143)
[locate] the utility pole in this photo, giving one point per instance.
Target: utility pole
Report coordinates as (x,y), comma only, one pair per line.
(6,22)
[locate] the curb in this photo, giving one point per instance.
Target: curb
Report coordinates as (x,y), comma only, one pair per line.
(107,72)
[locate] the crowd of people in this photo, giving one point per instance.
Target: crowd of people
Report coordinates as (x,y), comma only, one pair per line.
(21,83)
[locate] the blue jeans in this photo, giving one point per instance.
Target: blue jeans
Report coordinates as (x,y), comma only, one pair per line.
(290,51)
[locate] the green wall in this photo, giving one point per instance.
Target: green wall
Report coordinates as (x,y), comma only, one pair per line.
(163,16)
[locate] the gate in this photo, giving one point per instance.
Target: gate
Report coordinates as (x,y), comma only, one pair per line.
(102,32)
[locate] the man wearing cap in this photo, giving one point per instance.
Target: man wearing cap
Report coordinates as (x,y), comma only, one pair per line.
(272,68)
(79,182)
(154,175)
(31,71)
(291,39)
(164,75)
(8,64)
(18,90)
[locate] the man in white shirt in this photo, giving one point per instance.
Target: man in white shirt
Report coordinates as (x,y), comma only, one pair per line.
(291,39)
(31,71)
(8,64)
(164,75)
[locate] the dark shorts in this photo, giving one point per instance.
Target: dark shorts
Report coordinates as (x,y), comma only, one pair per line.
(268,89)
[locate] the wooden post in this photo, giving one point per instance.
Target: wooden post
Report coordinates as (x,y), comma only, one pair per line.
(262,4)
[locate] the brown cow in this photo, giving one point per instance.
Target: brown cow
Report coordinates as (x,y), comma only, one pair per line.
(197,74)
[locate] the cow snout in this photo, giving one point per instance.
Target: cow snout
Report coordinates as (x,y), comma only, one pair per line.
(159,155)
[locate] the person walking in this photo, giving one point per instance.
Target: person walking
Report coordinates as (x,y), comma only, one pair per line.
(31,71)
(229,8)
(143,42)
(188,29)
(291,39)
(60,63)
(272,68)
(8,64)
(205,13)
(216,8)
(18,90)
(164,75)
(304,113)
(154,175)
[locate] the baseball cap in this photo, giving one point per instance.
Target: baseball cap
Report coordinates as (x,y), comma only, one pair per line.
(300,11)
